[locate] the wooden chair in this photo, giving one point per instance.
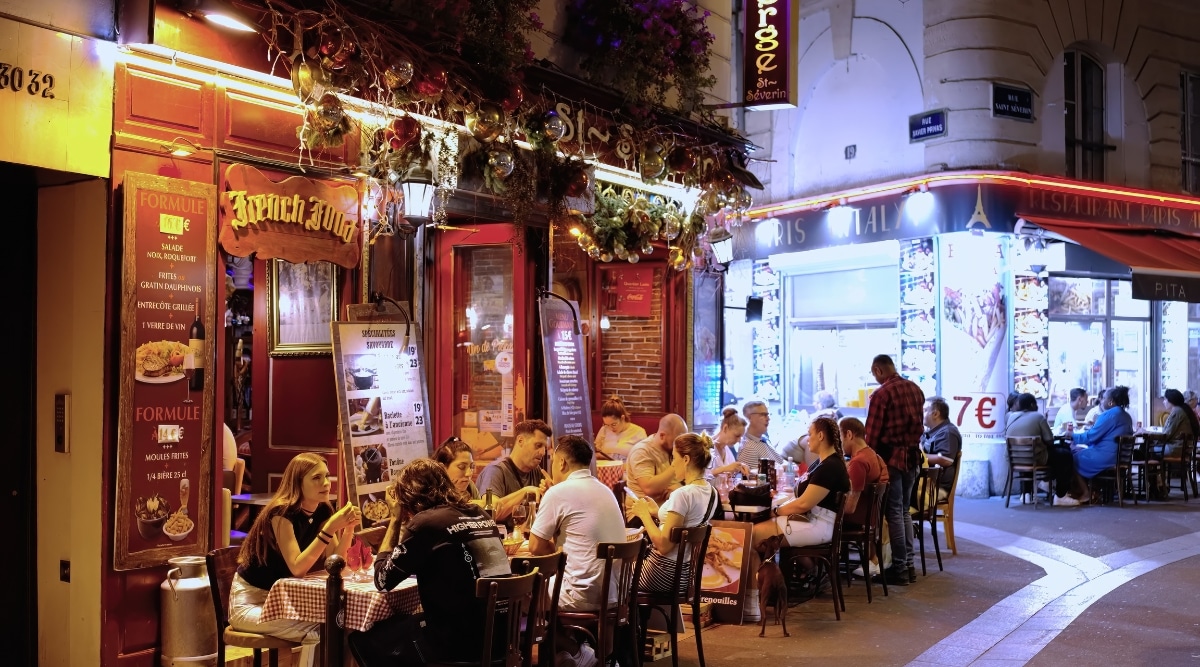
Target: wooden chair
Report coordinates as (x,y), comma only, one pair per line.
(1146,463)
(1182,460)
(541,627)
(506,601)
(827,557)
(1119,475)
(1023,466)
(868,538)
(945,508)
(600,626)
(222,565)
(693,544)
(927,512)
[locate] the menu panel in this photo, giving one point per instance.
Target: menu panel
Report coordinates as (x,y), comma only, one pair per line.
(164,446)
(566,371)
(382,407)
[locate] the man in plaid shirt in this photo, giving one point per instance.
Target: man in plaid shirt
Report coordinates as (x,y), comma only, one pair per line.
(894,426)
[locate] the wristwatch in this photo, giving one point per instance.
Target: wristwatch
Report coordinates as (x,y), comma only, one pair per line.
(775,511)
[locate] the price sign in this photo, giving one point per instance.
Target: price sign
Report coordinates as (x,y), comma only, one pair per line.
(979,413)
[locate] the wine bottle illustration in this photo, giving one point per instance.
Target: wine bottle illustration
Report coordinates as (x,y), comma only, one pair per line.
(196,342)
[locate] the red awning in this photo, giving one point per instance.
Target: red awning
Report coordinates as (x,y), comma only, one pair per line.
(1165,265)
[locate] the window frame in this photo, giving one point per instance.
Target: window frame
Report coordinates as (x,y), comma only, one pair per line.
(1084,90)
(1189,142)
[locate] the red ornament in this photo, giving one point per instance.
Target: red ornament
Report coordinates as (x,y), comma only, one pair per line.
(401,132)
(432,83)
(514,99)
(682,159)
(578,185)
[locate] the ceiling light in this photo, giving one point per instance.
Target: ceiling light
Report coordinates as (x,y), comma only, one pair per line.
(216,12)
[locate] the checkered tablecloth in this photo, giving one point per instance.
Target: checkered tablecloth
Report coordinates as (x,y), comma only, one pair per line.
(610,472)
(303,599)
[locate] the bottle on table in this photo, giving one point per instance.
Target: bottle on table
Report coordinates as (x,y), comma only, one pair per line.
(488,507)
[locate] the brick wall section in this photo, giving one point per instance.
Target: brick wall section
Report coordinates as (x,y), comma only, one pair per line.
(631,361)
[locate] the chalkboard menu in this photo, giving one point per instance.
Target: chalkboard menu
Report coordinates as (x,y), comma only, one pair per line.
(566,371)
(164,444)
(382,407)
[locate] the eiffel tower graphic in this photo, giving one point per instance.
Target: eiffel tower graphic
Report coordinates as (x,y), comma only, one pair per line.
(979,216)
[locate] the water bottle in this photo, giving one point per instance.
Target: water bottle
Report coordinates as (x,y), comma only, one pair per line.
(789,473)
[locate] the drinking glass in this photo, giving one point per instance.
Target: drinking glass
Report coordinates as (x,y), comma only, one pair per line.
(189,370)
(520,513)
(353,559)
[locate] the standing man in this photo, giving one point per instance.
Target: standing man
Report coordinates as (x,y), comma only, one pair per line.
(511,478)
(1071,412)
(648,470)
(754,442)
(942,443)
(893,430)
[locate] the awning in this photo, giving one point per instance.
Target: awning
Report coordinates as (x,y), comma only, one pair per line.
(1166,266)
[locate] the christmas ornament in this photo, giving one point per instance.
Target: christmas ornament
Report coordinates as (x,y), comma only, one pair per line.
(399,74)
(337,48)
(633,258)
(652,162)
(514,99)
(681,159)
(432,83)
(579,183)
(486,122)
(401,132)
(647,249)
(606,257)
(500,161)
(553,126)
(328,113)
(308,79)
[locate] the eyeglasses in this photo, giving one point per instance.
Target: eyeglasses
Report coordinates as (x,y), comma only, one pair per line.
(760,414)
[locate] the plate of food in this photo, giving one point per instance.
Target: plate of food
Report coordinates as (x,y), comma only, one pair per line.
(1031,323)
(1032,384)
(364,423)
(1032,357)
(722,561)
(160,362)
(376,510)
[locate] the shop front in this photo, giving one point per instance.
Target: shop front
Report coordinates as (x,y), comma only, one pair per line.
(951,276)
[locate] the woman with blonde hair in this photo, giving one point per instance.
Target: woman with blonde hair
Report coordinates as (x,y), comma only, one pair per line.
(618,435)
(292,536)
(724,456)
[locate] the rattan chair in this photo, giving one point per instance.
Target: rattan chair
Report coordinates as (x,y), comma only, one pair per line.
(1022,466)
(222,565)
(692,545)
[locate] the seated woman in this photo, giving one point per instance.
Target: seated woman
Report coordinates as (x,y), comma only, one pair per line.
(1181,422)
(292,536)
(1027,422)
(458,459)
(447,543)
(1101,440)
(724,456)
(689,506)
(618,435)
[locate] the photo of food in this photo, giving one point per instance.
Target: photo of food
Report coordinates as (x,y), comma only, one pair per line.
(917,256)
(160,362)
(918,357)
(723,561)
(374,509)
(1031,358)
(366,416)
(918,323)
(371,464)
(361,372)
(178,526)
(1032,384)
(1029,292)
(151,513)
(1030,322)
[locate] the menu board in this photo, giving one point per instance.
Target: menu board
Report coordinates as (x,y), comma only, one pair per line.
(383,415)
(164,443)
(566,372)
(918,314)
(766,348)
(1031,359)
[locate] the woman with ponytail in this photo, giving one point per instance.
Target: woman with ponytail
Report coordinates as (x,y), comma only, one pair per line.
(808,518)
(618,435)
(689,506)
(724,459)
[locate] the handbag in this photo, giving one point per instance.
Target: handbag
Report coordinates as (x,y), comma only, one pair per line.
(758,495)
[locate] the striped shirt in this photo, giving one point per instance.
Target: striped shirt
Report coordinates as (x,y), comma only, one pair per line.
(895,421)
(754,449)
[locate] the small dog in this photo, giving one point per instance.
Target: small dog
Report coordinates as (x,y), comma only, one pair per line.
(772,589)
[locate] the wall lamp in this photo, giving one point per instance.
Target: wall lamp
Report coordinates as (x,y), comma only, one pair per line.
(180,147)
(722,245)
(216,12)
(418,189)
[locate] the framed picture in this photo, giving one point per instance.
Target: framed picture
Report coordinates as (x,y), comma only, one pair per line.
(726,577)
(301,302)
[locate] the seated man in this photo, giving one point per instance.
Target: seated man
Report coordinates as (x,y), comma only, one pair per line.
(865,467)
(510,478)
(941,443)
(576,514)
(648,471)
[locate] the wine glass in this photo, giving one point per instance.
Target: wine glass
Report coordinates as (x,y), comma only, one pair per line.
(367,559)
(353,559)
(189,371)
(520,513)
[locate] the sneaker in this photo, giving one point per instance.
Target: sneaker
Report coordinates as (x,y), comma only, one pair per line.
(1026,498)
(874,571)
(896,576)
(1066,501)
(912,574)
(586,657)
(1044,487)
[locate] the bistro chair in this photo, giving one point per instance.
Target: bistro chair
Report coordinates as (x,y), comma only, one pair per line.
(1182,460)
(1023,467)
(541,628)
(222,565)
(945,508)
(827,556)
(506,600)
(926,511)
(867,538)
(1119,475)
(1146,464)
(600,626)
(693,545)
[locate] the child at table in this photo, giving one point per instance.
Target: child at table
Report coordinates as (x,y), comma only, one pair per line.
(293,534)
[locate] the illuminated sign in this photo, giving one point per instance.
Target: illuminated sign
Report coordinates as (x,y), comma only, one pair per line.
(770,74)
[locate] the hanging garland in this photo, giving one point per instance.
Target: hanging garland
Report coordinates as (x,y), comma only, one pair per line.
(627,223)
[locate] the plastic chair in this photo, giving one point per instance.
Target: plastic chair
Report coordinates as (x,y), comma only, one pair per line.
(827,557)
(693,544)
(624,558)
(541,630)
(1023,466)
(927,512)
(507,599)
(868,538)
(945,508)
(222,565)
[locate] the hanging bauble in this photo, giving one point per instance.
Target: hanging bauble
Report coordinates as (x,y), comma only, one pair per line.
(606,256)
(431,84)
(309,80)
(398,74)
(647,249)
(593,252)
(744,200)
(711,199)
(328,113)
(401,132)
(586,240)
(513,100)
(633,258)
(500,161)
(578,185)
(619,250)
(553,126)
(652,162)
(678,262)
(671,226)
(486,122)
(336,48)
(698,252)
(681,159)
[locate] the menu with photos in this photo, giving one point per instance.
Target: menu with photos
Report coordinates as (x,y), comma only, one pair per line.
(383,415)
(1031,359)
(918,314)
(164,447)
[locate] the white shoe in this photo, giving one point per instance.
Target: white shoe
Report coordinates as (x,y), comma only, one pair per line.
(858,572)
(1026,498)
(1044,487)
(1065,501)
(586,656)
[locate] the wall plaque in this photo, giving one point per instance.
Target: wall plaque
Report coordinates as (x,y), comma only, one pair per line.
(1012,102)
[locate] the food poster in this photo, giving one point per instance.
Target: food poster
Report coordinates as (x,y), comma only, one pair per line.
(166,412)
(382,407)
(1031,342)
(766,341)
(726,577)
(918,314)
(973,321)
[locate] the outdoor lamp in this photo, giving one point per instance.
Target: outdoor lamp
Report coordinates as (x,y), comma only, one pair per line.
(722,245)
(216,11)
(418,191)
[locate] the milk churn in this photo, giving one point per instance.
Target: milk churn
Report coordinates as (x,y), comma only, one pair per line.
(189,627)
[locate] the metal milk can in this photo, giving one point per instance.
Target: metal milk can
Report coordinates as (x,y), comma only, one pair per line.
(189,626)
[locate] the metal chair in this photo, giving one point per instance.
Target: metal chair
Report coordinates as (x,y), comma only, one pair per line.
(693,544)
(625,558)
(1023,466)
(868,538)
(927,512)
(541,628)
(222,565)
(827,556)
(506,600)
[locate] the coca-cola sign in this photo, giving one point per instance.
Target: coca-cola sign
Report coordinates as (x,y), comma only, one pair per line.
(769,77)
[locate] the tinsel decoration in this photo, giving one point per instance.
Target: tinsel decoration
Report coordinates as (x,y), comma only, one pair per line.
(628,223)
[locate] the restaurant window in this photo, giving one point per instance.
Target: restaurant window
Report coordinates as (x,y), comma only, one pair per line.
(1084,114)
(1189,130)
(484,326)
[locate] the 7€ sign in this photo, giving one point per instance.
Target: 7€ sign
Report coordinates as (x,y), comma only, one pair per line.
(979,413)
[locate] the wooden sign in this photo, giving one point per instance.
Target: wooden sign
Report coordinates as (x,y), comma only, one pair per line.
(770,55)
(635,289)
(164,443)
(298,219)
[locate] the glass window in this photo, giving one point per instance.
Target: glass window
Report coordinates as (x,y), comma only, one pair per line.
(837,360)
(1124,305)
(866,293)
(1077,359)
(1084,116)
(1077,296)
(483,320)
(1189,130)
(1131,364)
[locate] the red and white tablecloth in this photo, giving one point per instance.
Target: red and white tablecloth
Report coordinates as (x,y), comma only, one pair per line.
(303,599)
(610,472)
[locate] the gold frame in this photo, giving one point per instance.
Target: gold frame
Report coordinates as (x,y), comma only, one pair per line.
(275,348)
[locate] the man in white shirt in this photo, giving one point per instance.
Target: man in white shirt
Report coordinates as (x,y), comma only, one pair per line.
(1072,411)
